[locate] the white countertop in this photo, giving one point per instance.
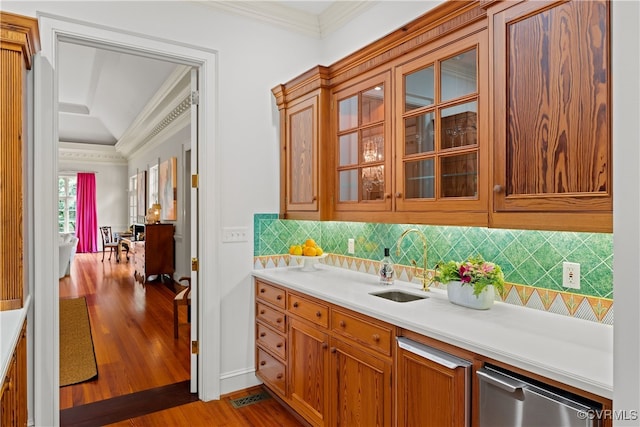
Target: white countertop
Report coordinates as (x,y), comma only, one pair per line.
(11,322)
(572,351)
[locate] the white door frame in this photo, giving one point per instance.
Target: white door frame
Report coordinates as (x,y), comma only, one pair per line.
(53,29)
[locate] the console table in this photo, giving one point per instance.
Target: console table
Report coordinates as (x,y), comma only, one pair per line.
(158,243)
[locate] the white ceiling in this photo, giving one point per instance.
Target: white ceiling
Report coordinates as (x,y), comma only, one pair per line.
(102,93)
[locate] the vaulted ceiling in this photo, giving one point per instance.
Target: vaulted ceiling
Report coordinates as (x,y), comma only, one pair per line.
(104,95)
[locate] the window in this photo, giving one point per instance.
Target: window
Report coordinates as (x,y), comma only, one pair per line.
(67,204)
(133,199)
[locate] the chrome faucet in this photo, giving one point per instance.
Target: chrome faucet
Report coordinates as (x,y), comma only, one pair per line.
(425,277)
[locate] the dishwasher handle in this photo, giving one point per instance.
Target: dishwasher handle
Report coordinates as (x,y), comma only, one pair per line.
(440,357)
(501,381)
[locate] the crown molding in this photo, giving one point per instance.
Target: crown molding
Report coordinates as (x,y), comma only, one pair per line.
(89,153)
(277,13)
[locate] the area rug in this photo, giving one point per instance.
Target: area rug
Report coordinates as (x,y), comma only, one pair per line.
(77,357)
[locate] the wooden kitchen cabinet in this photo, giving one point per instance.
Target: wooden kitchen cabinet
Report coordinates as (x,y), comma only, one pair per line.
(552,118)
(304,186)
(13,393)
(19,41)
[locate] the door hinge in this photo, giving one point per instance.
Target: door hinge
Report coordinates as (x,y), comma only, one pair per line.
(194,181)
(195,264)
(194,347)
(195,97)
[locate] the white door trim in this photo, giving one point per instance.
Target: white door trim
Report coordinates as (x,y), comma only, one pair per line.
(46,357)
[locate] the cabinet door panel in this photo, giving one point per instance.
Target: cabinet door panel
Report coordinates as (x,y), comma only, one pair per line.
(308,363)
(302,156)
(362,384)
(552,93)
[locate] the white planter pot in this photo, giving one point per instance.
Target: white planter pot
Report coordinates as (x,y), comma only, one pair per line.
(463,295)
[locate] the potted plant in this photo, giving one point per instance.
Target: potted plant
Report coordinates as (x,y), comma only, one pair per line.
(471,283)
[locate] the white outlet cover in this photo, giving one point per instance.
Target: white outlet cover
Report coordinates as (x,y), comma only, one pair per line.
(571,275)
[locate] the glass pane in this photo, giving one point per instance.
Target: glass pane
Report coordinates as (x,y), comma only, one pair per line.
(373,145)
(458,125)
(458,75)
(418,134)
(71,203)
(61,187)
(419,89)
(348,113)
(373,105)
(418,181)
(61,205)
(72,227)
(348,185)
(72,216)
(72,186)
(459,175)
(348,149)
(61,227)
(60,216)
(373,183)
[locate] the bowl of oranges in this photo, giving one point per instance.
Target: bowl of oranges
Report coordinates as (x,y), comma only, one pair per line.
(307,254)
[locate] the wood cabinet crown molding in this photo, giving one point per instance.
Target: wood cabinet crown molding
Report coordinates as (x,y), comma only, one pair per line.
(22,32)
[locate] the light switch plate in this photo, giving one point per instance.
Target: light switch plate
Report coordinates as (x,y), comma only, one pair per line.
(235,234)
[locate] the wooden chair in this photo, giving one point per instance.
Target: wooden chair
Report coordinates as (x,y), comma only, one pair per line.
(108,242)
(182,298)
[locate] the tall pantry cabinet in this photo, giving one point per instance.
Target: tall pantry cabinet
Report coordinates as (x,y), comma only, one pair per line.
(19,41)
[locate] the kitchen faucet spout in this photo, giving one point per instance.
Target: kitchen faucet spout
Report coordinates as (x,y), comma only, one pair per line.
(425,277)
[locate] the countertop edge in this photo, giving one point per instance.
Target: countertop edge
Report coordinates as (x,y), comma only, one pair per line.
(11,322)
(571,379)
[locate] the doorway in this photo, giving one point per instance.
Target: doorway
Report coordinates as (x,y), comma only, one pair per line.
(53,30)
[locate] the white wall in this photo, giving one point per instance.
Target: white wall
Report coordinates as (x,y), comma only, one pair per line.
(111,191)
(174,146)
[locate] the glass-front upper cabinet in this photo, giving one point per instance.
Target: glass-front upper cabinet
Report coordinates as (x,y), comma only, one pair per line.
(438,129)
(362,143)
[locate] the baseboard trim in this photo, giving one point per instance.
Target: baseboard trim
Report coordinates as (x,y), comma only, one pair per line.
(238,380)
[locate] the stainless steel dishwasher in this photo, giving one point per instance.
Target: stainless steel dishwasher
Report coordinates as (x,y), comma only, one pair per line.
(510,400)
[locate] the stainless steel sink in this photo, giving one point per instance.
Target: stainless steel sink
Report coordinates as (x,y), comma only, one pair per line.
(398,296)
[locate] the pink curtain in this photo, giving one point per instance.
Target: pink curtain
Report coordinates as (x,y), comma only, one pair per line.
(86,217)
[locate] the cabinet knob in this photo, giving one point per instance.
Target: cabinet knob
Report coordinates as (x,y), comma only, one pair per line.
(333,349)
(262,312)
(279,297)
(376,337)
(262,363)
(387,195)
(279,376)
(279,345)
(343,324)
(318,314)
(314,199)
(279,320)
(263,290)
(295,304)
(325,345)
(398,195)
(498,188)
(263,334)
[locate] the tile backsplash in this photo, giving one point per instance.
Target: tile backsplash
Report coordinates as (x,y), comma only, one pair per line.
(531,260)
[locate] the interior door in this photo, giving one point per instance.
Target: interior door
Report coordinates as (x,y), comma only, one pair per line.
(194,229)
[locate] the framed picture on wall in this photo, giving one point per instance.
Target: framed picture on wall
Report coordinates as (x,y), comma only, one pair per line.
(168,189)
(141,189)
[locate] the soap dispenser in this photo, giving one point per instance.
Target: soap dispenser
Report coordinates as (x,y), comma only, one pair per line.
(386,269)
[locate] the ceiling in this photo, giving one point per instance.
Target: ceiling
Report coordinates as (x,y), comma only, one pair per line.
(104,95)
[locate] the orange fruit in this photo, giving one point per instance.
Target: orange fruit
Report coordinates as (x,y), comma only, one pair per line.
(310,242)
(291,249)
(309,251)
(319,251)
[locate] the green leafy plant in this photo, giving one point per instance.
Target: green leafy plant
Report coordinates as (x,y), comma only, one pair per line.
(475,272)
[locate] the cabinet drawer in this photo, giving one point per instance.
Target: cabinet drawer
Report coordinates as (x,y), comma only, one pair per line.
(309,310)
(271,371)
(271,316)
(376,337)
(271,340)
(270,294)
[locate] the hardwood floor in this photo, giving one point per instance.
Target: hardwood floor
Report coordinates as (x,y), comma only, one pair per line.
(136,353)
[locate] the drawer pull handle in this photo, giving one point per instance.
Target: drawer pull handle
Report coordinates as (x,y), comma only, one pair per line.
(296,305)
(279,320)
(318,314)
(279,345)
(262,363)
(343,324)
(376,337)
(262,312)
(263,334)
(333,349)
(263,290)
(279,376)
(279,297)
(325,345)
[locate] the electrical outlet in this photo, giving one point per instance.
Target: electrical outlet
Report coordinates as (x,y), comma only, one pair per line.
(571,275)
(351,246)
(235,234)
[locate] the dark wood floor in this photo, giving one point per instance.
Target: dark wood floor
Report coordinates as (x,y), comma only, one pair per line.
(132,330)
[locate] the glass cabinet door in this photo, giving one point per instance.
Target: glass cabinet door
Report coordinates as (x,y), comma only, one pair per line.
(438,149)
(363,147)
